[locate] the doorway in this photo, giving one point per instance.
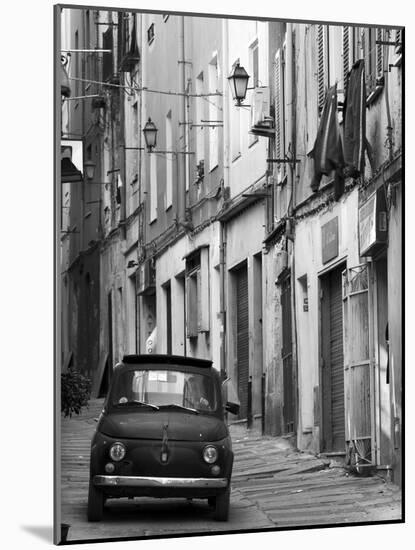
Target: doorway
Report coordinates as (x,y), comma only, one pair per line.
(242,337)
(332,361)
(289,397)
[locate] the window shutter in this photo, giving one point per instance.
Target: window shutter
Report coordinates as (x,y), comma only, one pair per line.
(107,60)
(346,54)
(379,54)
(278,108)
(191,303)
(322,76)
(398,40)
(204,302)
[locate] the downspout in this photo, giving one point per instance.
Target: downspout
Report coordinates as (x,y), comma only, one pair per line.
(225,183)
(389,127)
(182,157)
(291,131)
(290,114)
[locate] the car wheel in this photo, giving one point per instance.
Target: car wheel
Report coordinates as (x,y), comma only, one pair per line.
(222,505)
(95,503)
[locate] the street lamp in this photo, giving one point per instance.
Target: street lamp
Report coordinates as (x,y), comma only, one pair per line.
(150,135)
(89,169)
(239,84)
(65,88)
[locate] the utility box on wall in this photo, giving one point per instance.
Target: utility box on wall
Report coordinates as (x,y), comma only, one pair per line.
(146,277)
(281,262)
(373,223)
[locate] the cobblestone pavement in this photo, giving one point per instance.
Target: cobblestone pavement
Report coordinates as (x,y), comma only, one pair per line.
(272,486)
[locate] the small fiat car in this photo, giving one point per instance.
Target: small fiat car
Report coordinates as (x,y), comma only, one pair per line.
(162,434)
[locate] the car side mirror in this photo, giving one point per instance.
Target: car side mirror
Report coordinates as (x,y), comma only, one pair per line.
(232,407)
(232,400)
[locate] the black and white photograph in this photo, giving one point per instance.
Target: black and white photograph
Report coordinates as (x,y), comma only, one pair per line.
(229,227)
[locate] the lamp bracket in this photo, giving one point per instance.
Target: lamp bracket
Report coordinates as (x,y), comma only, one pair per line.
(289,161)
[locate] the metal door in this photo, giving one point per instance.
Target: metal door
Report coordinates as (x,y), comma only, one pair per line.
(358,373)
(332,362)
(242,339)
(287,358)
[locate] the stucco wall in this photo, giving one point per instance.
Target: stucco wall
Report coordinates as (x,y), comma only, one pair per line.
(308,262)
(244,236)
(169,267)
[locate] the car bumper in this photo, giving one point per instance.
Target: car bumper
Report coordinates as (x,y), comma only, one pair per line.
(146,482)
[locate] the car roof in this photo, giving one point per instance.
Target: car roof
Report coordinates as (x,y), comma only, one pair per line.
(160,359)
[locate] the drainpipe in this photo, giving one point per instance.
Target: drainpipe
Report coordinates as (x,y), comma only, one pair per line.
(290,113)
(389,128)
(291,132)
(182,157)
(225,183)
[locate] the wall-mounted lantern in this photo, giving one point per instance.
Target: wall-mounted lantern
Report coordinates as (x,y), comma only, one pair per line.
(65,88)
(89,169)
(150,135)
(239,83)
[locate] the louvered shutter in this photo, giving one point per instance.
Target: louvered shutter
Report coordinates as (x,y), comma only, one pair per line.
(278,110)
(398,41)
(346,54)
(191,305)
(321,65)
(379,54)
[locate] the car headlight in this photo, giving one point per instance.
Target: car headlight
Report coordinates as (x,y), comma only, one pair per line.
(117,451)
(210,454)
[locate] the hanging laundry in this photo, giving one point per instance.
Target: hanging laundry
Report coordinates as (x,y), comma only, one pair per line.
(354,116)
(328,150)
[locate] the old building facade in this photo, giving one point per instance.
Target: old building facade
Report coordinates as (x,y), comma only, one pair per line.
(220,241)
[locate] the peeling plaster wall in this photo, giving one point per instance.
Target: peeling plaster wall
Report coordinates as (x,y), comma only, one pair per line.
(112,279)
(169,267)
(244,236)
(308,261)
(395,328)
(273,344)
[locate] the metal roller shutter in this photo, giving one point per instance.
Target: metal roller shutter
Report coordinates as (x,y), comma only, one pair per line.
(286,353)
(242,338)
(336,361)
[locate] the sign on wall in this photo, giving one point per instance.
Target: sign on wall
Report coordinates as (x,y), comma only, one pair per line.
(372,223)
(330,240)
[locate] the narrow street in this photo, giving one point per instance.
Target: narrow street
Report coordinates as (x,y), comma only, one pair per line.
(273,486)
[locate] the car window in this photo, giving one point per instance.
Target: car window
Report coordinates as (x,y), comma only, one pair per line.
(163,387)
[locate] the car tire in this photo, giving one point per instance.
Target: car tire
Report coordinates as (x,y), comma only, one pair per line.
(222,505)
(95,503)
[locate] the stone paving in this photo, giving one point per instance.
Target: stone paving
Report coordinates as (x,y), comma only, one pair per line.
(273,486)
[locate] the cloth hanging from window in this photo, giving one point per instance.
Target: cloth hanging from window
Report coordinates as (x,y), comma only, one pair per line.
(354,116)
(328,150)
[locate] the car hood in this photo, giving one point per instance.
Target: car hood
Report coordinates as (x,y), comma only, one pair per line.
(181,426)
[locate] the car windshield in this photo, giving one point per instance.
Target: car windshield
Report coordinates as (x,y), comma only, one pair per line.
(163,388)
